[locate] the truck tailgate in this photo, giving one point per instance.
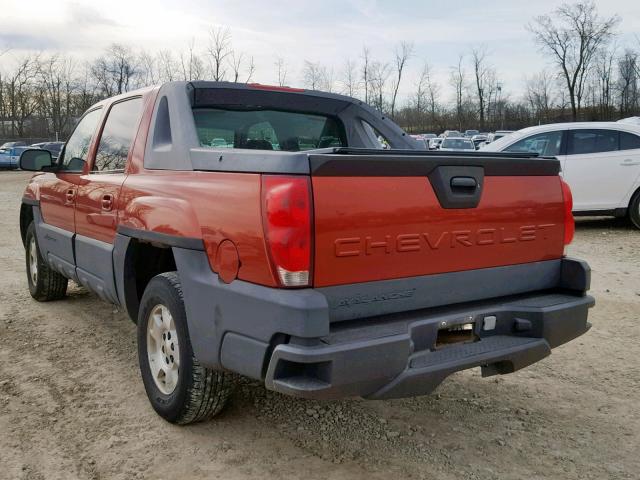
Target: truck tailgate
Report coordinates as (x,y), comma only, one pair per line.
(393,215)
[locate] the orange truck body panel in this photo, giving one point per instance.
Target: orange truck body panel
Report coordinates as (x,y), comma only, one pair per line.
(378,228)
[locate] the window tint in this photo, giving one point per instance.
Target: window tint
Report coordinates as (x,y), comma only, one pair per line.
(629,141)
(544,144)
(117,135)
(264,129)
(75,151)
(380,140)
(592,141)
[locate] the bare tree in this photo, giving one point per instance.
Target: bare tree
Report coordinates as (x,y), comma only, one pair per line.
(311,74)
(235,61)
(402,54)
(378,78)
(349,78)
(483,76)
(458,79)
(191,63)
(219,50)
(56,89)
(317,76)
(251,70)
(148,70)
(603,77)
(540,95)
(629,83)
(572,35)
(20,94)
(116,70)
(366,67)
(281,67)
(167,66)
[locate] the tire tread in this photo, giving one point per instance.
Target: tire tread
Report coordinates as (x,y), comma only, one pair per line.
(209,390)
(51,285)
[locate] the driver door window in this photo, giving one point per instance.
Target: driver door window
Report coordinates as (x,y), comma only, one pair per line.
(74,155)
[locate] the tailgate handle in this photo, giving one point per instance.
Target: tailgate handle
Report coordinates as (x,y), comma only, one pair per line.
(464,183)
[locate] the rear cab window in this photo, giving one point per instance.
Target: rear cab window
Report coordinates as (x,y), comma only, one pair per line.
(267,129)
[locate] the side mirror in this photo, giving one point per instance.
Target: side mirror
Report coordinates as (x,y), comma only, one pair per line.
(36,160)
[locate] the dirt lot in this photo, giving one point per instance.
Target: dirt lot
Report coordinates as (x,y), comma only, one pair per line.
(72,404)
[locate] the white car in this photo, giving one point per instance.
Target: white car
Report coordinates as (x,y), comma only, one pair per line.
(600,162)
(457,144)
(497,135)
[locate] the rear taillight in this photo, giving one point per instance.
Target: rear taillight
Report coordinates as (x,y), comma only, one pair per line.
(569,223)
(286,207)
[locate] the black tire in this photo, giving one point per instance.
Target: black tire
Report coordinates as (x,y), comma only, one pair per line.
(46,284)
(200,392)
(634,209)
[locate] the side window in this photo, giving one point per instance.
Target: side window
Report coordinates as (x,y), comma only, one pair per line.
(629,141)
(544,144)
(380,141)
(75,151)
(582,142)
(117,135)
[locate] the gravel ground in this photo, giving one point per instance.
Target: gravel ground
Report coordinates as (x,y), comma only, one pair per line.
(72,404)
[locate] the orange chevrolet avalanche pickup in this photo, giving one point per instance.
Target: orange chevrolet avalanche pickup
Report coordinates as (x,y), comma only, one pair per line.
(301,239)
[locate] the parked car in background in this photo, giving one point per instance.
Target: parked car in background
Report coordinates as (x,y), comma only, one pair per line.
(434,143)
(428,136)
(53,147)
(452,144)
(10,156)
(492,137)
(600,161)
(8,145)
(471,133)
(451,133)
(479,140)
(5,161)
(424,144)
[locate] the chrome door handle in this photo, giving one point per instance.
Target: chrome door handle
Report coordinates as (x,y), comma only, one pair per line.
(629,163)
(71,195)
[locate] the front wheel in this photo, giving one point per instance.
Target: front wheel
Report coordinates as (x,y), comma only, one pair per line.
(45,284)
(634,210)
(179,388)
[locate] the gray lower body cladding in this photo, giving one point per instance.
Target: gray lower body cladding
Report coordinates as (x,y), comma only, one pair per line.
(375,341)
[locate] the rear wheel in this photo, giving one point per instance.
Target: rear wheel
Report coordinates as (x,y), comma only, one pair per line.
(634,209)
(45,284)
(179,388)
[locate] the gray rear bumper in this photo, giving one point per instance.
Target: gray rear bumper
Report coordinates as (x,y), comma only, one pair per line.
(377,340)
(368,361)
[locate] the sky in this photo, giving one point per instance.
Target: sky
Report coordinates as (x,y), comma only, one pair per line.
(327,31)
